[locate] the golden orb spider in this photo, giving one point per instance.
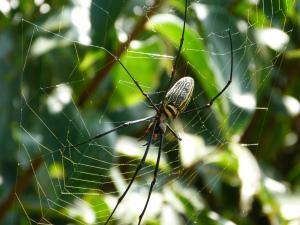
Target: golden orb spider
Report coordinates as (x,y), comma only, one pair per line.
(173,103)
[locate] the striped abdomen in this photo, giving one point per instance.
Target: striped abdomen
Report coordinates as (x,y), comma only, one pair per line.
(178,97)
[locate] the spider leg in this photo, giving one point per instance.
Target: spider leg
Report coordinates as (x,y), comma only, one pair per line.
(138,85)
(173,132)
(154,176)
(211,102)
(139,166)
(146,133)
(112,130)
(179,49)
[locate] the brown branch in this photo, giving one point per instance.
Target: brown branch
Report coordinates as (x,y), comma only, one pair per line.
(110,61)
(20,186)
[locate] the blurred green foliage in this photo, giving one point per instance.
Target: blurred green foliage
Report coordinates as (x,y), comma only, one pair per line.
(238,162)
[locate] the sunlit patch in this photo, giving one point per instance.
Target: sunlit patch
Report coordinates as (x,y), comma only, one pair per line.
(274,186)
(80,17)
(5,7)
(38,2)
(190,193)
(38,138)
(128,146)
(213,216)
(229,223)
(201,10)
(149,2)
(82,210)
(254,2)
(216,217)
(290,206)
(1,180)
(44,45)
(132,148)
(138,10)
(56,170)
(120,25)
(170,216)
(158,19)
(252,65)
(130,209)
(14,4)
(54,106)
(135,44)
(123,37)
(272,37)
(45,8)
(242,26)
(291,139)
(246,101)
(64,93)
(172,199)
(59,97)
(249,174)
(292,105)
(192,149)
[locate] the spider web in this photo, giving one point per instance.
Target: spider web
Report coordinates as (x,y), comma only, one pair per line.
(82,184)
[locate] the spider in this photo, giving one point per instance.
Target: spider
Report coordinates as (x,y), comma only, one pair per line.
(174,102)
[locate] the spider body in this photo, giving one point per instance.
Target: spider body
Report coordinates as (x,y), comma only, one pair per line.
(174,102)
(178,97)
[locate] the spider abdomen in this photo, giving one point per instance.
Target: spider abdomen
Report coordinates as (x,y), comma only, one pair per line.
(178,97)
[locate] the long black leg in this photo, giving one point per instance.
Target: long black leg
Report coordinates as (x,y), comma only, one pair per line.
(179,49)
(154,176)
(173,132)
(114,129)
(211,102)
(139,166)
(138,85)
